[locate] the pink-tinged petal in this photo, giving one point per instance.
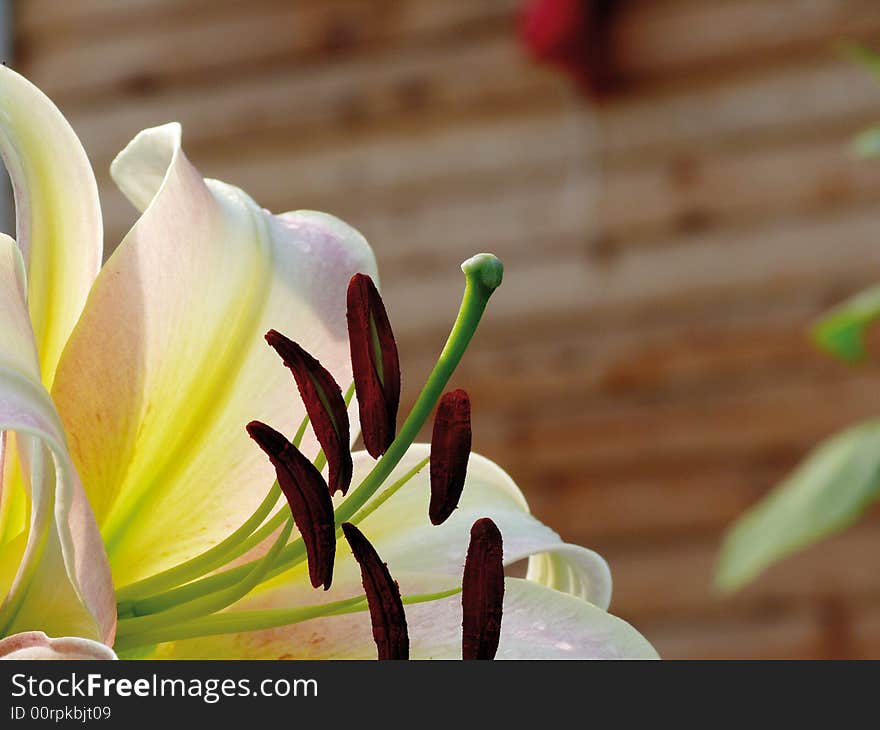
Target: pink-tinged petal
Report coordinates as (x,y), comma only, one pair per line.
(428,559)
(538,623)
(404,537)
(62,583)
(58,216)
(36,645)
(168,362)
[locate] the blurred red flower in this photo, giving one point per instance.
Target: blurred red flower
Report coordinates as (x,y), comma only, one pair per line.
(573,35)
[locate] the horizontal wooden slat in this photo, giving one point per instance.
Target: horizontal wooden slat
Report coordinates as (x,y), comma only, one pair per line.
(786,253)
(676,578)
(734,111)
(260,35)
(487,76)
(398,179)
(702,191)
(657,39)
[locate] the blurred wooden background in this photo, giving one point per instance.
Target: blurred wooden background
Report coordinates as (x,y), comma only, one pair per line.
(644,372)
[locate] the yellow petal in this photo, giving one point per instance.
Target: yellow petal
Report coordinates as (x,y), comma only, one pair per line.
(58,217)
(168,361)
(62,580)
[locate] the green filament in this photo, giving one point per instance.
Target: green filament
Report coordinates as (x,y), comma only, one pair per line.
(235,622)
(209,603)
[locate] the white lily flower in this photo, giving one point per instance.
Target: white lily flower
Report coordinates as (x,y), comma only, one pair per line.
(126,389)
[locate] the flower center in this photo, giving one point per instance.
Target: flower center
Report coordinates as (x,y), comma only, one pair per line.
(187,601)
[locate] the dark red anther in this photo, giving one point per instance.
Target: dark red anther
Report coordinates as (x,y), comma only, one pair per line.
(482,592)
(374,364)
(308,497)
(324,404)
(450,449)
(383,597)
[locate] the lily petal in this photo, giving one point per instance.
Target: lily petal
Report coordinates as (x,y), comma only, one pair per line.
(62,583)
(168,361)
(411,545)
(58,216)
(424,559)
(538,623)
(404,537)
(36,645)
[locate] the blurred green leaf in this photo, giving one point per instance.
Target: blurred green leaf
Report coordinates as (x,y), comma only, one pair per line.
(867,143)
(861,54)
(827,492)
(841,331)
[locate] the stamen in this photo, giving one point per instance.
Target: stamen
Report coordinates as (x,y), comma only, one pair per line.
(383,597)
(483,274)
(308,497)
(482,592)
(374,363)
(450,449)
(325,405)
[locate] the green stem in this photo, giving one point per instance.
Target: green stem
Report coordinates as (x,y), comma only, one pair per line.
(483,274)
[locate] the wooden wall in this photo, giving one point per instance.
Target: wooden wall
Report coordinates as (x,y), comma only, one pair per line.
(644,372)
